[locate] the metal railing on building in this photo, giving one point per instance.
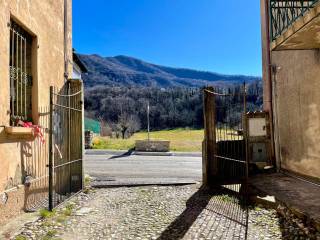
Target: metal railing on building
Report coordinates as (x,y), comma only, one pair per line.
(283,13)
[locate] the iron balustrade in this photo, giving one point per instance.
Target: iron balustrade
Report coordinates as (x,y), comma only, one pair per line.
(283,13)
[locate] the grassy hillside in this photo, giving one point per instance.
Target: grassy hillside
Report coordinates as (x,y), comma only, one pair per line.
(183,140)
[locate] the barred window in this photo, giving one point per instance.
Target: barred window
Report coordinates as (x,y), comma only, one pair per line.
(20,74)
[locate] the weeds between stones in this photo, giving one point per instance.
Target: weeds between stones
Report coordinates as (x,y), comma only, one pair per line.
(44,213)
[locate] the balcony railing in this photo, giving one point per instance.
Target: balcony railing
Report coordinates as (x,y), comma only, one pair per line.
(283,13)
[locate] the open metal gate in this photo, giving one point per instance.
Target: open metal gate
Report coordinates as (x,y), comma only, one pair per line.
(65,142)
(225,141)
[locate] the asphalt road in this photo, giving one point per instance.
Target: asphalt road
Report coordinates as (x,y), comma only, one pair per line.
(109,170)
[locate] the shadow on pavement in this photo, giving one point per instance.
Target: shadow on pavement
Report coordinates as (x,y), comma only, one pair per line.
(210,214)
(126,154)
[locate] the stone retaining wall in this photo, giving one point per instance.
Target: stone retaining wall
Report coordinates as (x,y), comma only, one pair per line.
(152,146)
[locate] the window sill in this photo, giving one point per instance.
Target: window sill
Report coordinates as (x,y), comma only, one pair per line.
(19,131)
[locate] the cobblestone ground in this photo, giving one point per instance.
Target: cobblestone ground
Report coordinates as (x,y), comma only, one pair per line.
(164,213)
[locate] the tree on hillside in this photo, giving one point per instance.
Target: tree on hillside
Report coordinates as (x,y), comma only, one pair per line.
(169,108)
(128,124)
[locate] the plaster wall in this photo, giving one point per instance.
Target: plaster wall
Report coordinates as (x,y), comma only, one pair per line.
(44,20)
(296,87)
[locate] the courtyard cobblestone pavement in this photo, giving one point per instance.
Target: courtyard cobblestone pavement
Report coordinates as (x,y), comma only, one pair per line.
(164,213)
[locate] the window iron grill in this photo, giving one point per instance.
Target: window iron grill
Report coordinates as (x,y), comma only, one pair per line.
(20,74)
(283,13)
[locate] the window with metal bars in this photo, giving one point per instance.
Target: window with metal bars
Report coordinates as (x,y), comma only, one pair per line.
(20,74)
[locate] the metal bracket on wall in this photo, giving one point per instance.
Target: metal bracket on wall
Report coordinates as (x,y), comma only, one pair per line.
(275,68)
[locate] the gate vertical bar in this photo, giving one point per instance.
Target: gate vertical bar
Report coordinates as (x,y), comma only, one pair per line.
(245,135)
(69,134)
(51,151)
(245,196)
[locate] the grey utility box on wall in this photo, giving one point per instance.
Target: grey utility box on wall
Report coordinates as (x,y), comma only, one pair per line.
(258,134)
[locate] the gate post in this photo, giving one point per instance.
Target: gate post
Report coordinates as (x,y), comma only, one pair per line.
(209,164)
(50,195)
(82,134)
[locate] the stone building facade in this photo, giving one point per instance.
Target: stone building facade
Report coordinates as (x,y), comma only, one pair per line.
(35,53)
(291,75)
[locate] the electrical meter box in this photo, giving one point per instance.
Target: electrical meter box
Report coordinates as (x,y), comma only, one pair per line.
(257,127)
(258,139)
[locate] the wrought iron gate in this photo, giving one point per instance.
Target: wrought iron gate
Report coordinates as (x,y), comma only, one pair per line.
(228,161)
(65,142)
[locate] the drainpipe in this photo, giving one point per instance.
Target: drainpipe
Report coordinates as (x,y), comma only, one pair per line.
(267,78)
(66,60)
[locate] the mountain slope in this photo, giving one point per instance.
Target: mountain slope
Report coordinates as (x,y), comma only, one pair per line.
(128,71)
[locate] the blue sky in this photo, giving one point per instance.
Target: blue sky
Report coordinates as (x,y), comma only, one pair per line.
(213,35)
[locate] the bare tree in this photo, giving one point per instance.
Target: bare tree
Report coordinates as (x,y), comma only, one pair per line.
(128,124)
(106,130)
(134,124)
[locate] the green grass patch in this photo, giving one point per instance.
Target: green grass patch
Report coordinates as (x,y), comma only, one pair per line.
(181,139)
(227,198)
(20,237)
(87,180)
(50,235)
(47,224)
(68,210)
(184,140)
(44,213)
(62,219)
